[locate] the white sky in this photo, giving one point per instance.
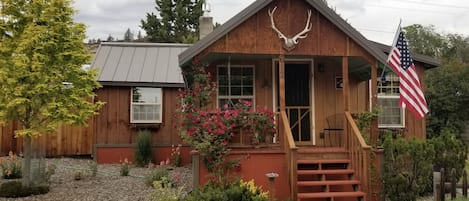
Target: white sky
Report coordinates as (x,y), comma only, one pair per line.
(376,19)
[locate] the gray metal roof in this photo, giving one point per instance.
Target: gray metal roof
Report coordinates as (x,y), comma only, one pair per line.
(429,62)
(255,7)
(139,64)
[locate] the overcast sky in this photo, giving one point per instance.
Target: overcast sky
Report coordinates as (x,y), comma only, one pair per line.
(376,19)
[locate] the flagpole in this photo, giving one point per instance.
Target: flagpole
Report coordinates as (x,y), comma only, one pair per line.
(392,45)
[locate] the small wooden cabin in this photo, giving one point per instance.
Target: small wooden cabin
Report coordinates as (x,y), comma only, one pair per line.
(140,88)
(303,61)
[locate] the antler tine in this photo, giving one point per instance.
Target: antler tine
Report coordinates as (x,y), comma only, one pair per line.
(271,14)
(303,34)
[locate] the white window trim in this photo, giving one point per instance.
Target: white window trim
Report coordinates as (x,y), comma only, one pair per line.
(160,104)
(253,97)
(402,114)
(381,95)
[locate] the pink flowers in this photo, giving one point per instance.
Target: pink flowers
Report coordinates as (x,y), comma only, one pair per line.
(210,131)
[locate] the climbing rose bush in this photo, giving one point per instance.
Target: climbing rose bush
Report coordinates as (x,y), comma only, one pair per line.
(209,131)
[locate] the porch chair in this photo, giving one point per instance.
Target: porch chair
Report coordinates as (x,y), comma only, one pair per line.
(335,126)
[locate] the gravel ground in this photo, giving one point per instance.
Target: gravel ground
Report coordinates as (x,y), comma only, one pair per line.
(107,185)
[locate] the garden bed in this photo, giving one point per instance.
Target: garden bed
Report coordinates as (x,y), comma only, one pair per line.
(106,185)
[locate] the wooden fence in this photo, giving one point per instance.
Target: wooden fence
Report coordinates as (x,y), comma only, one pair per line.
(68,140)
(441,187)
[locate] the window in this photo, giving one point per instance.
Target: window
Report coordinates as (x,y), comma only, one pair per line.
(391,115)
(146,106)
(234,84)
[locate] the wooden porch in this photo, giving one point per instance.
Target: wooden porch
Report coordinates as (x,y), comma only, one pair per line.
(336,168)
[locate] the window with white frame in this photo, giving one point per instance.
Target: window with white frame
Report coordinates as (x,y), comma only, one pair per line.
(146,105)
(235,83)
(391,115)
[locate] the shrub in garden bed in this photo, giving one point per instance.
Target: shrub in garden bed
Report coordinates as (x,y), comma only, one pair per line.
(156,175)
(10,167)
(143,152)
(14,189)
(233,191)
(407,168)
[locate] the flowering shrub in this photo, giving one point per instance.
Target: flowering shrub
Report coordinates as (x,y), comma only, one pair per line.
(176,157)
(209,131)
(10,166)
(234,191)
(125,167)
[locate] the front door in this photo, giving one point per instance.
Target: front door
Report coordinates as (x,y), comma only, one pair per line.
(298,101)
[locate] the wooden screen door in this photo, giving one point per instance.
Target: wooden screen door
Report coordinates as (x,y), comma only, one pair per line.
(298,101)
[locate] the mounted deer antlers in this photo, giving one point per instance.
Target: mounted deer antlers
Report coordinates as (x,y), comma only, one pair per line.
(291,42)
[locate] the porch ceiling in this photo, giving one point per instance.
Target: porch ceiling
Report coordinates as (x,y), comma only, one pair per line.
(358,67)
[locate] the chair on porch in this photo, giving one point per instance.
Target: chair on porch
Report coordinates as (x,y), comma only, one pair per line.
(334,130)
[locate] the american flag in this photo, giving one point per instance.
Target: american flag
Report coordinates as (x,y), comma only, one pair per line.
(411,94)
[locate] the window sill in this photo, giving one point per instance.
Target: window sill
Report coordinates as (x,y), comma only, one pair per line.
(145,125)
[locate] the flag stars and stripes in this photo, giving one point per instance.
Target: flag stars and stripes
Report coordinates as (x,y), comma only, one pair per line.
(402,46)
(410,89)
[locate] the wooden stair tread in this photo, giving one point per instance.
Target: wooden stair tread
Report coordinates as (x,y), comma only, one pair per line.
(331,194)
(327,182)
(333,171)
(322,161)
(322,150)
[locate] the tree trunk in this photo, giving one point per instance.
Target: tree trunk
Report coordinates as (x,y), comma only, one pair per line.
(27,161)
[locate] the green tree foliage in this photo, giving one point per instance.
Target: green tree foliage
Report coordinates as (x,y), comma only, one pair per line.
(176,21)
(110,38)
(407,168)
(43,83)
(451,153)
(140,38)
(447,87)
(128,35)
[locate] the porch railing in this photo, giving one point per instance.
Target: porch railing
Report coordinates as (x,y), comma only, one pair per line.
(359,152)
(299,114)
(290,149)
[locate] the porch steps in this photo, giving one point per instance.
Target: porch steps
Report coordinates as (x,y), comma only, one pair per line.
(324,174)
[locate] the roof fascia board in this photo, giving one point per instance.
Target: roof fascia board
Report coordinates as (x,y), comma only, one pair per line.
(219,32)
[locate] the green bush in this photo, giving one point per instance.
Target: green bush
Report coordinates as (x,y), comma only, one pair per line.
(143,152)
(10,167)
(156,175)
(451,153)
(236,191)
(165,193)
(407,168)
(124,168)
(14,189)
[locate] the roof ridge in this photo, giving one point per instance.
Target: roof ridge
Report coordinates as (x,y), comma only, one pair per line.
(144,44)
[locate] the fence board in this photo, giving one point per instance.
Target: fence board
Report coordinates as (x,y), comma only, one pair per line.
(68,140)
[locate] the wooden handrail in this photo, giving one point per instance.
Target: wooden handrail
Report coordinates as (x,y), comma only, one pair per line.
(360,154)
(290,149)
(356,131)
(287,131)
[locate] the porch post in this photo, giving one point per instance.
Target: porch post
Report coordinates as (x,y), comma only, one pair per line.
(281,75)
(346,97)
(374,133)
(346,87)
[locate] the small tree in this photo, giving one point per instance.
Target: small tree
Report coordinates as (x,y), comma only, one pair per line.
(43,83)
(110,38)
(128,35)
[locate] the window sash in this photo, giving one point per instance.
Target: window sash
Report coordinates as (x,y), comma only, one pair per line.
(238,84)
(391,116)
(147,112)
